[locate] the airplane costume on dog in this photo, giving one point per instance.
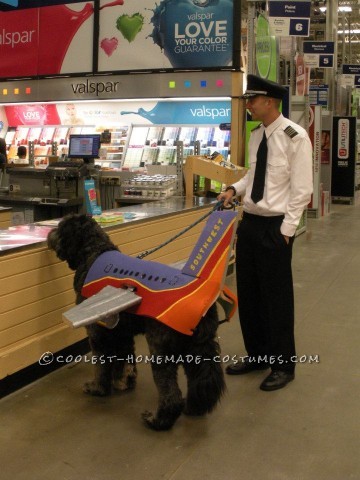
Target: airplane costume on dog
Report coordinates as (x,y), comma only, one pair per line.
(177,298)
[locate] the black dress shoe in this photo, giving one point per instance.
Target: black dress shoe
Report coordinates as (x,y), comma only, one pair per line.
(245,366)
(277,379)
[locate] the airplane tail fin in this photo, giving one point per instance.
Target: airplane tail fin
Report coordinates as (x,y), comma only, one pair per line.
(215,240)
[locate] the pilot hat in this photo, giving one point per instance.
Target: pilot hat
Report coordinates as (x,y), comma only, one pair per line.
(260,86)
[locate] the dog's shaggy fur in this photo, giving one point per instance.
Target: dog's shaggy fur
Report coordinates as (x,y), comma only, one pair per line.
(79,240)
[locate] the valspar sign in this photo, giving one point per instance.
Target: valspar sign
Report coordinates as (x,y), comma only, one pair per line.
(343,139)
(53,37)
(97,88)
(156,34)
(54,40)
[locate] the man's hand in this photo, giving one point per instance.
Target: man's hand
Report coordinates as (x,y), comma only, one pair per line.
(287,239)
(226,197)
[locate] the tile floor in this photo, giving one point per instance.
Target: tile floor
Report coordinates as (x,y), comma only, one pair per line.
(307,431)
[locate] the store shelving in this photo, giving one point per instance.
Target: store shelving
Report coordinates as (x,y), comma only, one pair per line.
(130,146)
(112,154)
(157,145)
(148,187)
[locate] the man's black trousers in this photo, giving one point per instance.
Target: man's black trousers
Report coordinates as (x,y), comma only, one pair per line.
(265,291)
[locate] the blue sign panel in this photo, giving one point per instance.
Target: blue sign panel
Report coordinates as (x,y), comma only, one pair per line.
(299,27)
(292,9)
(290,18)
(351,69)
(326,61)
(318,95)
(318,47)
(187,113)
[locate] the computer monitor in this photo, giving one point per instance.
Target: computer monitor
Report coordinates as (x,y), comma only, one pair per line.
(84,146)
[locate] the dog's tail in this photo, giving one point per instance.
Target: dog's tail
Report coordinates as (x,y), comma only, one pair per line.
(205,376)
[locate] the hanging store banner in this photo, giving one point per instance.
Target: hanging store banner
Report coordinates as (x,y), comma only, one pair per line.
(343,157)
(170,34)
(266,50)
(302,73)
(290,18)
(319,54)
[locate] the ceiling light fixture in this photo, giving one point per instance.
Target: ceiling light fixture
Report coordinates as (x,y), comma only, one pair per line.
(345,8)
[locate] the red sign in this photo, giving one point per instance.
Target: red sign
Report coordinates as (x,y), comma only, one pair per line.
(19,35)
(32,115)
(35,41)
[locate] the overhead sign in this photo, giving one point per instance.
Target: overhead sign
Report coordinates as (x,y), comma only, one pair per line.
(351,69)
(174,34)
(319,54)
(47,41)
(351,75)
(289,18)
(145,35)
(157,85)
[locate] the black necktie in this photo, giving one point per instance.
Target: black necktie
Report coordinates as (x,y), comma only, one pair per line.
(257,192)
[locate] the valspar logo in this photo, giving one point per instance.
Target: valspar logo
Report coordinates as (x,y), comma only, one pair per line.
(12,3)
(343,138)
(212,113)
(96,88)
(16,38)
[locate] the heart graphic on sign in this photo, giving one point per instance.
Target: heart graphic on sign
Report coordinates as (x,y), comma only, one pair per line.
(130,26)
(109,45)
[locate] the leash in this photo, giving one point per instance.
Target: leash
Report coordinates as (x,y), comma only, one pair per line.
(218,206)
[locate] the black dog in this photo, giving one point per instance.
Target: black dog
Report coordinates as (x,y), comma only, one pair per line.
(79,240)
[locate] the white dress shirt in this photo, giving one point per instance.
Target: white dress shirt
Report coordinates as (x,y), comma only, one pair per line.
(289,171)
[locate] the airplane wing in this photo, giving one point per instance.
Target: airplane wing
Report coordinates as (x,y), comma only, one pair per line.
(102,307)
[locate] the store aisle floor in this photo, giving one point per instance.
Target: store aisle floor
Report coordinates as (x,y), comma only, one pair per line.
(307,431)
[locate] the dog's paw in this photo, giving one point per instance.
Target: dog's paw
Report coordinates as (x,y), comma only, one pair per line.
(93,388)
(154,423)
(127,380)
(123,385)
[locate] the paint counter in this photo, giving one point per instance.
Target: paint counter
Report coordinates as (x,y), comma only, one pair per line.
(36,288)
(5,217)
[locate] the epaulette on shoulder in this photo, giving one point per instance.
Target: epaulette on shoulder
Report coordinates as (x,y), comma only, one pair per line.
(253,129)
(291,132)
